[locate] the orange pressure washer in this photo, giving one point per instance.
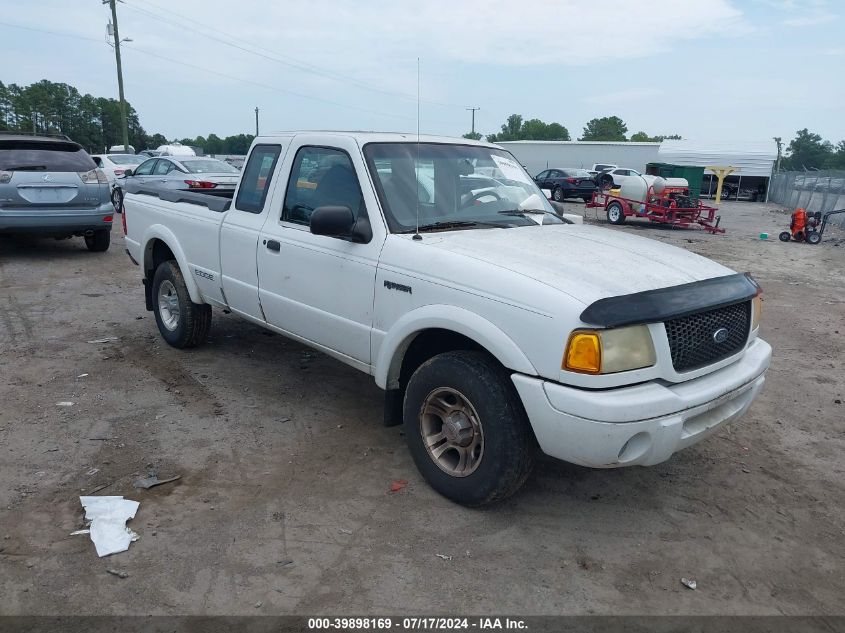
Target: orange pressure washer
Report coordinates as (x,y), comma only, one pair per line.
(807,226)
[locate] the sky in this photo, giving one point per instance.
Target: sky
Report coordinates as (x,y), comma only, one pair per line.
(716,70)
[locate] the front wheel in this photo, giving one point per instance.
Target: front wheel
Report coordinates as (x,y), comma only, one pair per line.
(615,213)
(466,428)
(181,322)
(557,195)
(99,241)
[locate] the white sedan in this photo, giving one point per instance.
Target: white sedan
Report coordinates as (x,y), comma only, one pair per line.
(114,165)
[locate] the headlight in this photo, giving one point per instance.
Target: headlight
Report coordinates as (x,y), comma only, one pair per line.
(609,351)
(756,311)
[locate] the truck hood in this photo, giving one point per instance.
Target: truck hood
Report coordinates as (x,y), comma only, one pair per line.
(587,263)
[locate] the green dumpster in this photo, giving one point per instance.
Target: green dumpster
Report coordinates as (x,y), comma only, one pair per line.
(693,175)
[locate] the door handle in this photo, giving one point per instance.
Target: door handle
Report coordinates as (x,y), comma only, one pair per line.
(273,245)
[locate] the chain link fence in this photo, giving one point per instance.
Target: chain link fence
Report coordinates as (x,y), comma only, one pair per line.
(811,190)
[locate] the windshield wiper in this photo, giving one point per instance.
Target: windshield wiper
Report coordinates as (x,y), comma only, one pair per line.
(452,224)
(26,168)
(528,212)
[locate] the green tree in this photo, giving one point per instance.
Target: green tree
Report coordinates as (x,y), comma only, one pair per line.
(473,136)
(213,144)
(515,129)
(808,151)
(609,128)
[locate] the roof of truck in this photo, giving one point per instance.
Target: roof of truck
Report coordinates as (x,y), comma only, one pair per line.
(383,137)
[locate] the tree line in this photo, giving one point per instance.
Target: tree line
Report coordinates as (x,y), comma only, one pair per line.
(46,107)
(609,128)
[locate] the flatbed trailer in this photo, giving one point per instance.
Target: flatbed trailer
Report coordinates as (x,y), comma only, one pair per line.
(672,206)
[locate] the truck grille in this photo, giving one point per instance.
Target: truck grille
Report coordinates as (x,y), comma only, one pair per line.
(692,339)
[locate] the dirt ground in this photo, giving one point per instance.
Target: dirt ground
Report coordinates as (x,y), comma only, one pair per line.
(284,502)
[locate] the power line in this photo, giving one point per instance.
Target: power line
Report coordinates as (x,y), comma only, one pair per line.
(208,70)
(265,53)
(263,85)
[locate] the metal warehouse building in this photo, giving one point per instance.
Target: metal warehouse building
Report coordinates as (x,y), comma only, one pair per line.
(752,162)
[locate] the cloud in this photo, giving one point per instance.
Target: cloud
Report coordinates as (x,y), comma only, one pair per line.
(620,97)
(812,19)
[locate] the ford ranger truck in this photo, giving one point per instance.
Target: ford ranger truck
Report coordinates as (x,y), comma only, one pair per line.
(496,327)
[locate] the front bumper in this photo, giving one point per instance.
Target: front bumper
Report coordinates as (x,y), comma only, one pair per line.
(643,424)
(56,220)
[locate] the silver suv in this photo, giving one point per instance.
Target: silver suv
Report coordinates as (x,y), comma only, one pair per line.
(50,186)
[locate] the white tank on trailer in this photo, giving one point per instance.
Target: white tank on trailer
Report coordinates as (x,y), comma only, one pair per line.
(634,188)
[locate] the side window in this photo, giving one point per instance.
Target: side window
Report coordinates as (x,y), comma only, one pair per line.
(542,175)
(321,176)
(163,167)
(145,168)
(98,161)
(255,178)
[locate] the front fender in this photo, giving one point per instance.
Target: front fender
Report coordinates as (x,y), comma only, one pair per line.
(445,317)
(161,232)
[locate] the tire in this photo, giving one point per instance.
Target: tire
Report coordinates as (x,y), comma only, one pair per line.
(98,242)
(615,213)
(557,194)
(813,237)
(606,182)
(117,199)
(500,448)
(785,236)
(182,322)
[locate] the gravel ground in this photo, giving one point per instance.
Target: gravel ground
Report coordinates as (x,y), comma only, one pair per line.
(284,502)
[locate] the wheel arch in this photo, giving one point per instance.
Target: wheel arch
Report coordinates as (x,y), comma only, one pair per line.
(160,245)
(433,329)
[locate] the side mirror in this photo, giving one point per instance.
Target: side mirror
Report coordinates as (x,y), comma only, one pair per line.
(337,221)
(127,173)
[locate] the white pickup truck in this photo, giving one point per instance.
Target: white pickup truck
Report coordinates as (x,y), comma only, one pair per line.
(494,326)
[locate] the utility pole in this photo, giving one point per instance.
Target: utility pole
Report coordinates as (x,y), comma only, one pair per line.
(473,117)
(256,120)
(779,142)
(124,127)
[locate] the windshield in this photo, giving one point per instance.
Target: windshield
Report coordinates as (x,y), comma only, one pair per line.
(125,159)
(438,185)
(208,166)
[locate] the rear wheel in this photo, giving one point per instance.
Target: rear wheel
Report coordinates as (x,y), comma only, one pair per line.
(785,236)
(615,213)
(813,237)
(181,322)
(99,241)
(117,199)
(466,428)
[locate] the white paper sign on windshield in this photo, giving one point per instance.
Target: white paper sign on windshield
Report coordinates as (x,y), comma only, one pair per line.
(510,169)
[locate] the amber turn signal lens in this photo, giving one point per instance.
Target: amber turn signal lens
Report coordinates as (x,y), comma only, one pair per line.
(583,353)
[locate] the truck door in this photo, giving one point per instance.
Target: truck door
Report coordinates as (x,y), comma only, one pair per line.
(241,227)
(317,287)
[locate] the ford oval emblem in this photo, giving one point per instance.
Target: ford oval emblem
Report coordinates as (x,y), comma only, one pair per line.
(720,335)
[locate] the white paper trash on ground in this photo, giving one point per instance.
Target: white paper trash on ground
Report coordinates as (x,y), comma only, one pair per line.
(108,516)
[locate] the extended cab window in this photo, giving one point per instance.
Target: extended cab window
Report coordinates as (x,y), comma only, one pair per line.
(255,181)
(321,176)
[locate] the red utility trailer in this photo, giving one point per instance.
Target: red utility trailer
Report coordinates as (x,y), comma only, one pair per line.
(672,205)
